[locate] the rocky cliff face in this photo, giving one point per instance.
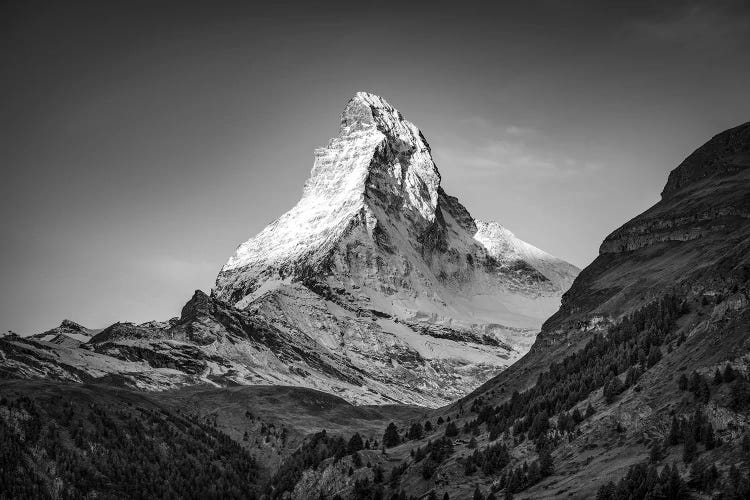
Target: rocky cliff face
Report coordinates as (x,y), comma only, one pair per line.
(69,333)
(725,155)
(377,286)
(699,199)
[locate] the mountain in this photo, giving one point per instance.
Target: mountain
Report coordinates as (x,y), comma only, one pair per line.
(377,286)
(69,333)
(378,263)
(638,387)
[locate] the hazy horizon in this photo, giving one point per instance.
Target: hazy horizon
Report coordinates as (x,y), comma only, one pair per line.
(144,142)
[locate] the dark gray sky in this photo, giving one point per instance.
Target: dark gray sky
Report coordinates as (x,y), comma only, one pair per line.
(143,141)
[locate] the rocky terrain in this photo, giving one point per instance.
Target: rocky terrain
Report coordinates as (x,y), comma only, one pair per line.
(377,286)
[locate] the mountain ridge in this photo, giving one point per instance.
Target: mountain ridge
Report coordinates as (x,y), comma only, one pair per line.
(377,286)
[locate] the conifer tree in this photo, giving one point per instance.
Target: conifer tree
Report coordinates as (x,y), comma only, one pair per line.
(654,356)
(690,448)
(590,410)
(746,444)
(674,431)
(576,415)
(391,437)
(355,443)
(451,430)
(718,378)
(728,375)
(415,431)
(546,467)
(682,382)
(508,494)
(655,453)
(377,474)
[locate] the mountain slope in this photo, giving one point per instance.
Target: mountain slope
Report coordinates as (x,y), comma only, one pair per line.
(78,441)
(259,426)
(211,343)
(644,370)
(694,244)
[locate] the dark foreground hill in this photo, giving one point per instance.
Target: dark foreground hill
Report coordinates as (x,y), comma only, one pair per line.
(68,440)
(78,441)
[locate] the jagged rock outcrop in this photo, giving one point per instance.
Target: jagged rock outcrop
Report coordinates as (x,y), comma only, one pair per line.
(69,334)
(726,154)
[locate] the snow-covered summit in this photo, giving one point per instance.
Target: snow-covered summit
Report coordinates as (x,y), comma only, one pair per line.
(502,244)
(376,150)
(365,112)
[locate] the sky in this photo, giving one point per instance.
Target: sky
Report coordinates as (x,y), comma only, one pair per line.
(143,141)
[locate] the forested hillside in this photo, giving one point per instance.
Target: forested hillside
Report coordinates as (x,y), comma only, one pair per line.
(62,441)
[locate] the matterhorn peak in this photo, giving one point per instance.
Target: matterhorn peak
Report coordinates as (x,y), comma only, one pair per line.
(367,111)
(378,263)
(379,166)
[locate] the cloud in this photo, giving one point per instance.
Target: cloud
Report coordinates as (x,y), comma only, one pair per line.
(486,149)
